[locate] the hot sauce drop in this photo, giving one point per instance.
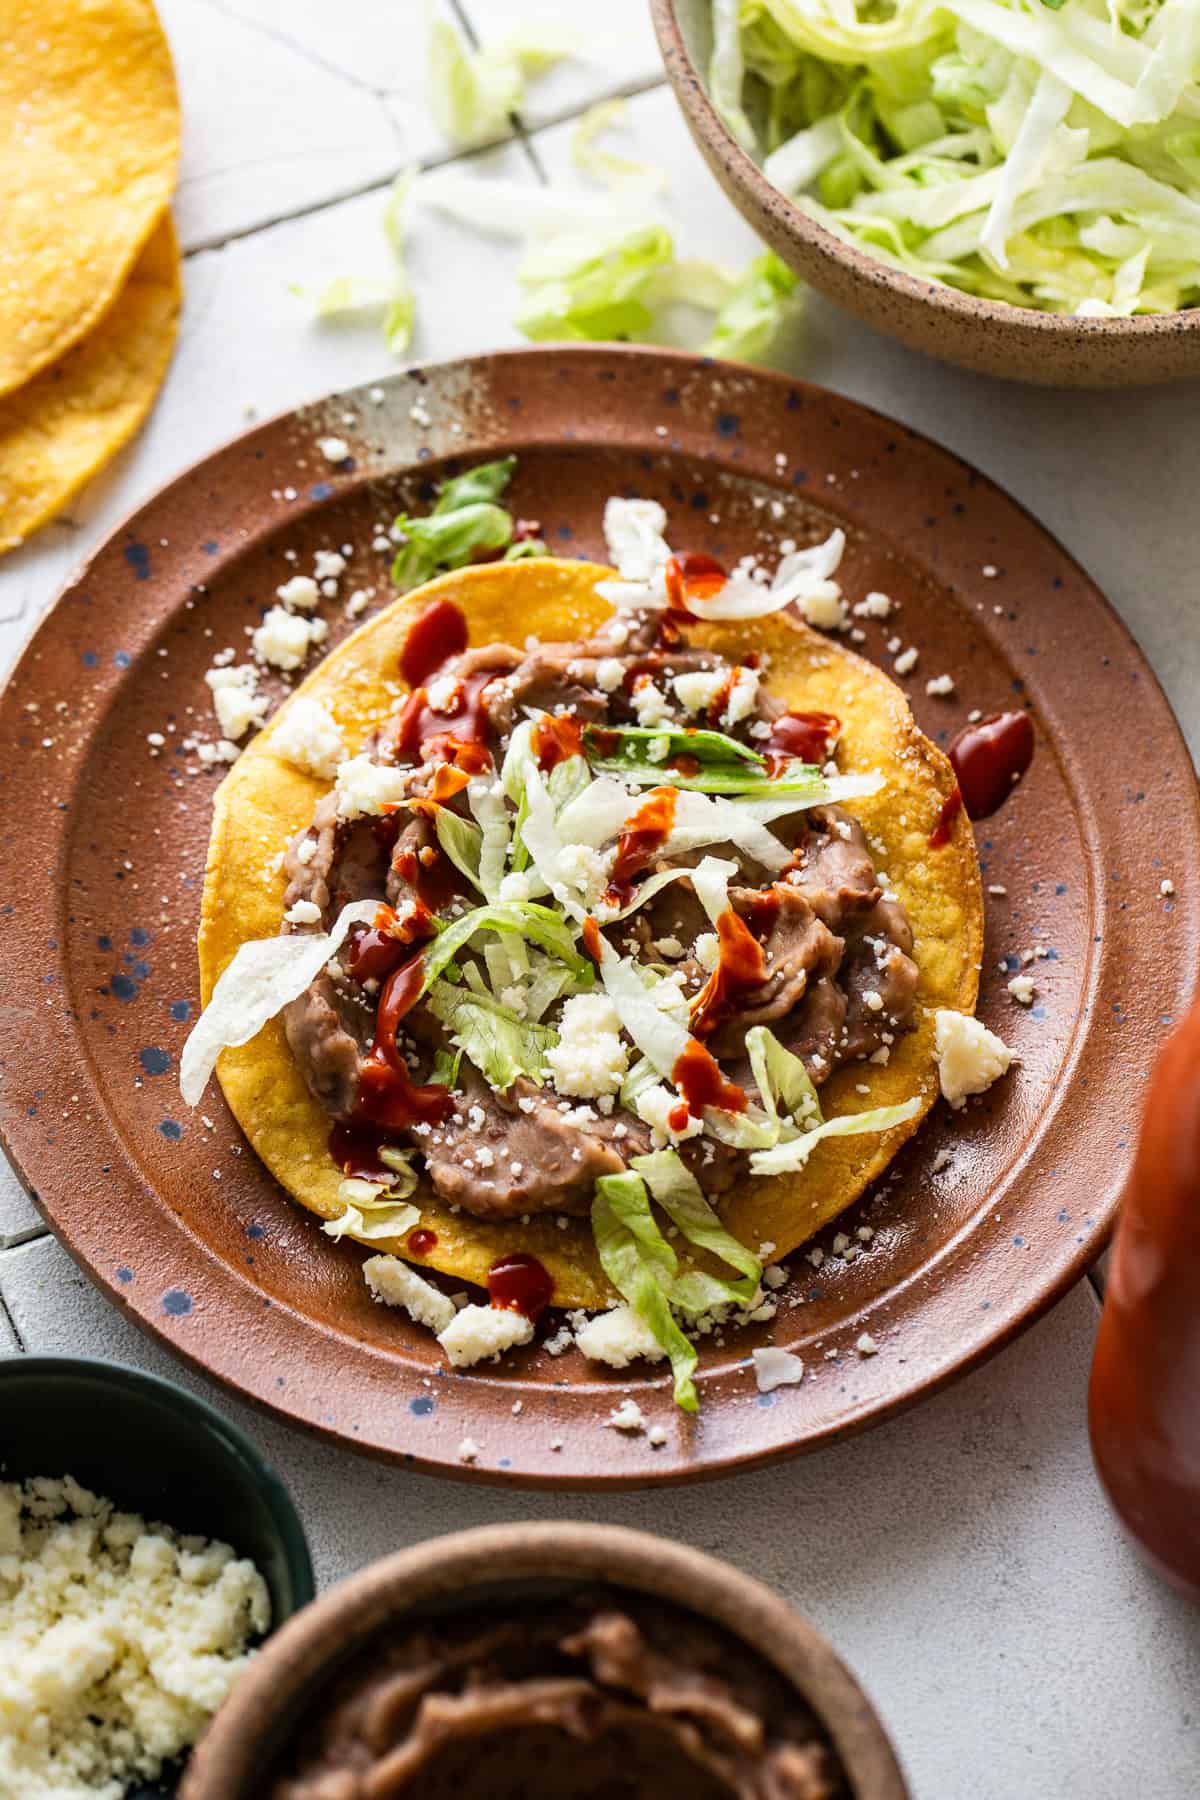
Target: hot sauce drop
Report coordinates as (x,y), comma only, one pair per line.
(421,1241)
(989,757)
(644,835)
(436,635)
(555,739)
(742,966)
(1143,1409)
(943,830)
(519,1283)
(693,576)
(810,736)
(387,1094)
(702,1084)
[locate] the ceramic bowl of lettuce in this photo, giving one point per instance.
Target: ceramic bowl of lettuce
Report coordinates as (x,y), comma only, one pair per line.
(1012,187)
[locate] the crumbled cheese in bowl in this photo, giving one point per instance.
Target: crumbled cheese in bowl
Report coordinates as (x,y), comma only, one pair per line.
(118,1641)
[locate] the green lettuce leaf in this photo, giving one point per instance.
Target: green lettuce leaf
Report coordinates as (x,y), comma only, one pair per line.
(641,1264)
(644,754)
(499,1044)
(745,327)
(448,541)
(486,481)
(783,1082)
(371,1211)
(792,1154)
(678,1192)
(541,924)
(462,843)
(472,93)
(589,286)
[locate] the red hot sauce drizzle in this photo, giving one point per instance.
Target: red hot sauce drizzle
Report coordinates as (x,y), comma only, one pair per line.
(807,736)
(644,835)
(418,726)
(701,1082)
(519,1283)
(355,1149)
(989,757)
(421,1241)
(376,949)
(943,829)
(741,967)
(555,739)
(387,1094)
(693,576)
(436,635)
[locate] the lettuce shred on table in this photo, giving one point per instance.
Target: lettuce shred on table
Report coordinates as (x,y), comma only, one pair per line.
(1044,153)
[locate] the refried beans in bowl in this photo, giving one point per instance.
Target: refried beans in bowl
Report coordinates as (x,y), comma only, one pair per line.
(546,1663)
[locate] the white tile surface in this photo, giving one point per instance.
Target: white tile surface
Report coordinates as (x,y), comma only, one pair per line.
(961,1558)
(19,1217)
(616,50)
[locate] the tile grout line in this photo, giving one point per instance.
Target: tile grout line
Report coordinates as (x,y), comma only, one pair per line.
(521,134)
(29,1235)
(7,1318)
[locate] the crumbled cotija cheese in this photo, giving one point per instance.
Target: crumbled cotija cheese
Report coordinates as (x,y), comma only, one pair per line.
(618,1337)
(483,1331)
(308,737)
(970,1057)
(118,1641)
(364,788)
(589,1058)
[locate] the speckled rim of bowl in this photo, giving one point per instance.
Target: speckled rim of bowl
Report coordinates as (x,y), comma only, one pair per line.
(1024,322)
(233,1440)
(230,1757)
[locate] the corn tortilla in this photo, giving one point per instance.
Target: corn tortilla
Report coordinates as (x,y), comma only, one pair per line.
(57,430)
(89,144)
(264,801)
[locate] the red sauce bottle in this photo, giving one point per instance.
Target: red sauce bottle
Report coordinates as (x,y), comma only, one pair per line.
(1144,1403)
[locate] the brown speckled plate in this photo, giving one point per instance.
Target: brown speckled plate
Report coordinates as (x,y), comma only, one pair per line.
(104,836)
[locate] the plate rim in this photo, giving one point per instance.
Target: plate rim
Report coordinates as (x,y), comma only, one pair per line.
(976,1347)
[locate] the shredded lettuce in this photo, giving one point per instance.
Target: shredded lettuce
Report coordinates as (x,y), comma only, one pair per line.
(606,166)
(263,977)
(783,1082)
(462,843)
(390,297)
(981,142)
(644,1268)
(486,799)
(540,924)
(473,94)
(498,1043)
(644,755)
(604,265)
(788,1156)
(746,326)
(372,1212)
(674,1188)
(641,1265)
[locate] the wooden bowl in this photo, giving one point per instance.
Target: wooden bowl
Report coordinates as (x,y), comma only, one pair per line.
(1017,342)
(472,1568)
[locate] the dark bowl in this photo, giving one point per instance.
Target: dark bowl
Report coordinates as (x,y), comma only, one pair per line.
(475,1570)
(156,1450)
(1017,342)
